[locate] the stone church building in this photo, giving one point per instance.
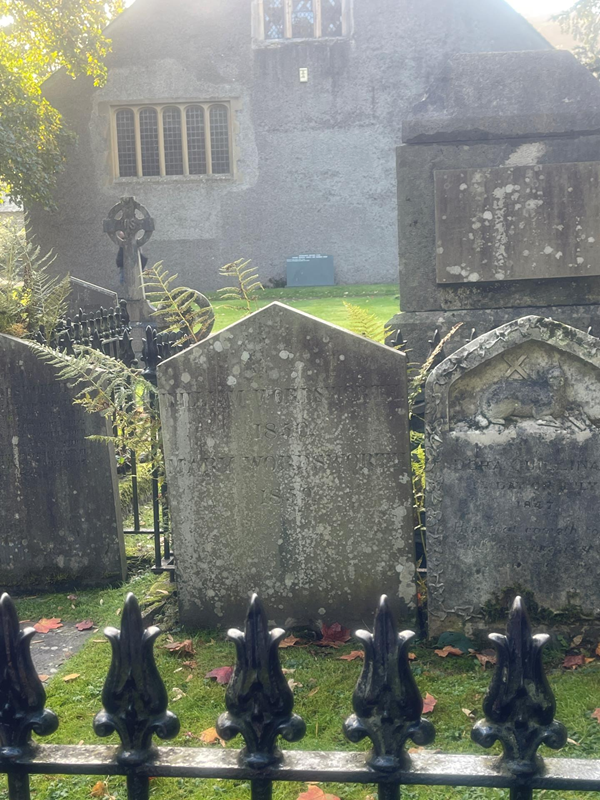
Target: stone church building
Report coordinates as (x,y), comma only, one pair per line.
(261,129)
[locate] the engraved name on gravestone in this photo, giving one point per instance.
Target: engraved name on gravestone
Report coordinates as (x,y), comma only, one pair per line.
(513,467)
(60,519)
(288,461)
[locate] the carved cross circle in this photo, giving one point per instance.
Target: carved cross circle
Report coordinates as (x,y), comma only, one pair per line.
(516,367)
(126,219)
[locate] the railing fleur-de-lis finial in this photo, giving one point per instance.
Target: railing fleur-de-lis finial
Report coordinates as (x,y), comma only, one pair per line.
(386,701)
(519,706)
(134,696)
(22,696)
(259,701)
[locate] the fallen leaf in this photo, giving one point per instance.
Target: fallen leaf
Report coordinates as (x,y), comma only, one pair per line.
(99,789)
(353,655)
(313,692)
(577,641)
(72,597)
(572,662)
(45,625)
(43,677)
(291,641)
(429,703)
(293,684)
(179,669)
(572,741)
(589,660)
(210,736)
(221,675)
(413,750)
(315,792)
(86,625)
(486,657)
(190,664)
(412,657)
(118,612)
(449,651)
(596,715)
(100,641)
(70,678)
(288,671)
(185,648)
(468,713)
(177,694)
(190,677)
(334,635)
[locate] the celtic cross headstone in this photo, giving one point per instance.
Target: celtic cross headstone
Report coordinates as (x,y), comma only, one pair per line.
(130,227)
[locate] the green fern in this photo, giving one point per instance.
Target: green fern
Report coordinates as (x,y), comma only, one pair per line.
(106,386)
(365,323)
(177,305)
(244,294)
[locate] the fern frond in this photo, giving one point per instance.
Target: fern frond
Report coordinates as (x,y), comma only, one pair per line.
(364,322)
(177,306)
(248,284)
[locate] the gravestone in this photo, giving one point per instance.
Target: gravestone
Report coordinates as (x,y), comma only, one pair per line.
(89,297)
(288,462)
(60,521)
(513,468)
(499,198)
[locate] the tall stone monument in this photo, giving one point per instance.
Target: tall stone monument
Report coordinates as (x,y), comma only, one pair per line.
(60,519)
(499,198)
(513,473)
(288,461)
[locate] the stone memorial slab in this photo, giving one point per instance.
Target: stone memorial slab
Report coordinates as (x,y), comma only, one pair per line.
(310,270)
(89,297)
(513,468)
(519,223)
(60,521)
(288,461)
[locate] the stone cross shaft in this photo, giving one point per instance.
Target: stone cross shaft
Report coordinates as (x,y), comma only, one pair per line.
(126,220)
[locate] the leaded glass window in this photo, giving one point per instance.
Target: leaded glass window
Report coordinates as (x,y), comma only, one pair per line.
(172,141)
(219,139)
(176,139)
(149,141)
(331,18)
(303,19)
(274,11)
(196,140)
(125,124)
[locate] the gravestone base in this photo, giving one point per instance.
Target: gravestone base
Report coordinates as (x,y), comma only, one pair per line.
(418,327)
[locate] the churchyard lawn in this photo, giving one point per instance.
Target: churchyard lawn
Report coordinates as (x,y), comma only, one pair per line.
(323,691)
(325,302)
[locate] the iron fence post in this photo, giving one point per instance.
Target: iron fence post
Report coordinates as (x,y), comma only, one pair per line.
(521,793)
(261,790)
(138,787)
(18,786)
(388,791)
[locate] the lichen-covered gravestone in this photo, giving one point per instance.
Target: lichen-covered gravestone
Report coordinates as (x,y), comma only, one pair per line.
(513,467)
(287,457)
(60,521)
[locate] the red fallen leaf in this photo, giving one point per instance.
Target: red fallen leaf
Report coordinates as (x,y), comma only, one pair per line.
(448,651)
(86,625)
(289,642)
(45,625)
(43,678)
(316,793)
(572,662)
(412,657)
(221,675)
(486,657)
(353,655)
(429,703)
(185,648)
(334,635)
(596,715)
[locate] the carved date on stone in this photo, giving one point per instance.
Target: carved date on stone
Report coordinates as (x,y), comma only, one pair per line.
(519,706)
(387,701)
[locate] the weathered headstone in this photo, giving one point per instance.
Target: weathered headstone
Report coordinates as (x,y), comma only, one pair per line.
(89,297)
(287,456)
(60,521)
(513,467)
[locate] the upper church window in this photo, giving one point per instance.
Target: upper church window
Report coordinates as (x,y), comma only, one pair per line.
(303,19)
(174,139)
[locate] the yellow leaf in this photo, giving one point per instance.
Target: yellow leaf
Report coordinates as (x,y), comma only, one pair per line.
(71,677)
(99,789)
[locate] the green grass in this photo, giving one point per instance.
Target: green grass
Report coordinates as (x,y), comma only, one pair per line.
(326,302)
(457,683)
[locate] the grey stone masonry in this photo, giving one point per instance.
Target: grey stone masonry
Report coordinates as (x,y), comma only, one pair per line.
(60,519)
(288,462)
(513,466)
(88,297)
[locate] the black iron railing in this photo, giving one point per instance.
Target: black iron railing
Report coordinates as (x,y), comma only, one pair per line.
(519,713)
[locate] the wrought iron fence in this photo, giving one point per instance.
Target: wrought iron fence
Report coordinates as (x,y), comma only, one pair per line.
(109,331)
(518,711)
